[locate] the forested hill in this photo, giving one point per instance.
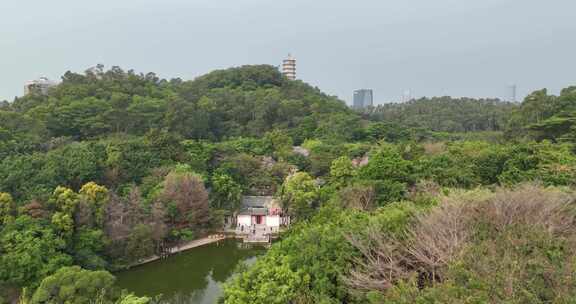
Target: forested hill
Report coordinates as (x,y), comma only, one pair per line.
(112,167)
(447,114)
(243,101)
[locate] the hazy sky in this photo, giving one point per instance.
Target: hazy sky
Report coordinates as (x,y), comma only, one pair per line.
(431,47)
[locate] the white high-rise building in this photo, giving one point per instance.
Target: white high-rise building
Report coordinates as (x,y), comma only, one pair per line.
(40,85)
(289,67)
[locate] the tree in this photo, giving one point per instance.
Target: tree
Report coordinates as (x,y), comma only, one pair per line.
(444,114)
(115,225)
(80,118)
(271,285)
(199,154)
(19,133)
(140,244)
(226,193)
(164,144)
(159,227)
(88,249)
(472,249)
(24,178)
(188,119)
(75,285)
(244,168)
(63,224)
(132,299)
(388,173)
(96,197)
(358,196)
(29,251)
(321,157)
(545,162)
(299,195)
(187,192)
(129,160)
(279,143)
(390,132)
(342,171)
(338,127)
(450,170)
(64,200)
(135,208)
(7,208)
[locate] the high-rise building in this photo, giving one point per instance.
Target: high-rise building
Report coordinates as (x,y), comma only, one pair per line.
(40,85)
(363,98)
(289,67)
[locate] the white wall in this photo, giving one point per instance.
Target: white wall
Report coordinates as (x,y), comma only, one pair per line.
(273,221)
(244,220)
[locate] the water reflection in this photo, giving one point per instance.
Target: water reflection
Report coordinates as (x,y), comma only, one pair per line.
(196,274)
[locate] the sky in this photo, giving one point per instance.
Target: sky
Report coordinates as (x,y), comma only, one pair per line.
(474,48)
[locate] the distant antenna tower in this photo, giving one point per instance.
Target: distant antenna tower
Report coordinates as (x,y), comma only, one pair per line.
(512,89)
(406,96)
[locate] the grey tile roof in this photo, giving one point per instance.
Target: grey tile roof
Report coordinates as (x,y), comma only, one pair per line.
(256,201)
(254,211)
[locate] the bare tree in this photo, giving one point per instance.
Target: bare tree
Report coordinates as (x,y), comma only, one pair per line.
(116,225)
(36,209)
(83,215)
(134,211)
(187,191)
(439,237)
(158,223)
(361,197)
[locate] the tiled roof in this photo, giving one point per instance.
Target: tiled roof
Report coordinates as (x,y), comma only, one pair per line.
(257,201)
(254,211)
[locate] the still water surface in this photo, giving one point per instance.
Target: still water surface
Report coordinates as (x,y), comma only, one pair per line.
(196,274)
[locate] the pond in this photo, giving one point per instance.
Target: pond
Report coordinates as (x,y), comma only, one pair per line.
(195,275)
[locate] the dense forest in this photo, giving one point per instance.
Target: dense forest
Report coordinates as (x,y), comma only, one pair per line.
(438,200)
(446,114)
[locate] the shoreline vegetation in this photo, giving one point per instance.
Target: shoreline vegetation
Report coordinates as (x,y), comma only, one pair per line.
(111,167)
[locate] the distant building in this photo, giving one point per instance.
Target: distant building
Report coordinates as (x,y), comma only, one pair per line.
(512,93)
(40,85)
(260,210)
(289,67)
(259,220)
(363,98)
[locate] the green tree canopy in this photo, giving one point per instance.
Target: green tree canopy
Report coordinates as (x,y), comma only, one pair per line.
(299,195)
(30,251)
(75,285)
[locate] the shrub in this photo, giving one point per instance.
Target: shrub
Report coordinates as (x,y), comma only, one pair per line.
(514,246)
